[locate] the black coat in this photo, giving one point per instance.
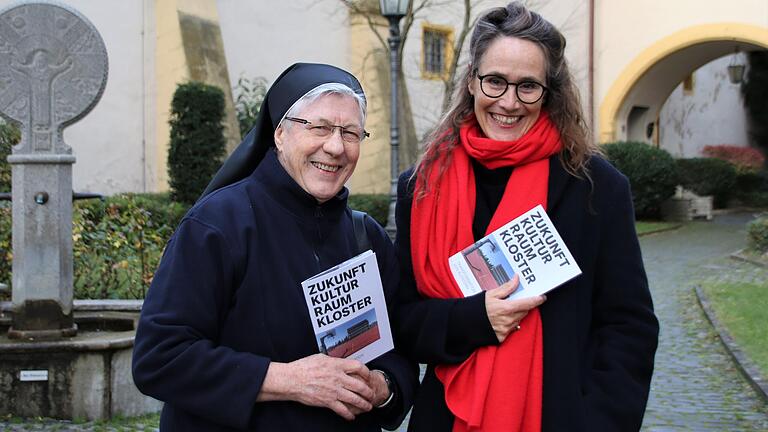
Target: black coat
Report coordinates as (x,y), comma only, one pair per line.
(227,300)
(600,332)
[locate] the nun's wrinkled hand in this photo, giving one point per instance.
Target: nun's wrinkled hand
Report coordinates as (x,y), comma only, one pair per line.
(505,315)
(319,380)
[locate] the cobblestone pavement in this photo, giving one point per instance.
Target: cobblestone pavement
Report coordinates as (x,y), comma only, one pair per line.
(47,425)
(696,386)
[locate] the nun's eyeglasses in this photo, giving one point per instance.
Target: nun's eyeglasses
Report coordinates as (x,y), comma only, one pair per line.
(350,135)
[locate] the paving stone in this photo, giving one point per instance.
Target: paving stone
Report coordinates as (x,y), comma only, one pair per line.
(695,385)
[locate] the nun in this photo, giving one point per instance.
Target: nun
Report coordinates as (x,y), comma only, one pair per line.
(224,337)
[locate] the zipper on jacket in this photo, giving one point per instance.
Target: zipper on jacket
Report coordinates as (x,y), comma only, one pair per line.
(318,216)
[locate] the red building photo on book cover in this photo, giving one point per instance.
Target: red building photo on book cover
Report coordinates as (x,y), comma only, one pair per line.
(351,336)
(528,246)
(487,263)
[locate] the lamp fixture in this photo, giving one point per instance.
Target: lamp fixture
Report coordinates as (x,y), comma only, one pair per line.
(394,8)
(735,69)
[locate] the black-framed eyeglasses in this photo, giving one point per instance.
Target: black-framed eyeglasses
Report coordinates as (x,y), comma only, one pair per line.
(350,135)
(527,92)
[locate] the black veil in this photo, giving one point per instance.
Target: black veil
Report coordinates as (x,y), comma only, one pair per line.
(290,86)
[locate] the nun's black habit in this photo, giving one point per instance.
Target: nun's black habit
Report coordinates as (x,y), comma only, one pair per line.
(226,299)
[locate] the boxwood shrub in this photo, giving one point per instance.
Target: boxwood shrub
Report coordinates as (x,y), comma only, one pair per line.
(708,176)
(752,188)
(651,172)
(5,244)
(197,139)
(9,136)
(117,243)
(376,205)
(757,234)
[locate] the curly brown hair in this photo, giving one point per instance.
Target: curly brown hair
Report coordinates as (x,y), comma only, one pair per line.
(562,101)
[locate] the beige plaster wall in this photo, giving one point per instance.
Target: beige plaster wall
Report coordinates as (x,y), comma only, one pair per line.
(206,61)
(624,29)
(170,68)
(370,63)
(571,17)
(181,57)
(262,38)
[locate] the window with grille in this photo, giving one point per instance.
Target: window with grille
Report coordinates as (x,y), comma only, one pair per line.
(436,49)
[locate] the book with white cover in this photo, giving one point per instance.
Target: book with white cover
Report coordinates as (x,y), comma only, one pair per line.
(348,309)
(528,246)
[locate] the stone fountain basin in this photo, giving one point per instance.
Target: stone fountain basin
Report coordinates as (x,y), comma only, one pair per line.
(87,376)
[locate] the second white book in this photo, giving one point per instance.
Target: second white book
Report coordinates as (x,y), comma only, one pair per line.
(528,246)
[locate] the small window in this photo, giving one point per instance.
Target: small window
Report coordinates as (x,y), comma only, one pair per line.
(437,50)
(688,85)
(434,52)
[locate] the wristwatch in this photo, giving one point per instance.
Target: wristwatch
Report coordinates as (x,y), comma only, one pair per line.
(390,386)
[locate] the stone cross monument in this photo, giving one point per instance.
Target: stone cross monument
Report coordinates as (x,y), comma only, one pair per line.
(53,70)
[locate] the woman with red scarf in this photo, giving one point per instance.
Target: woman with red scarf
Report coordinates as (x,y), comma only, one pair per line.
(513,138)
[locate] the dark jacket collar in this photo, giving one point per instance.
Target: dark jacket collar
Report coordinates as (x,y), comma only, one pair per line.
(559,178)
(283,189)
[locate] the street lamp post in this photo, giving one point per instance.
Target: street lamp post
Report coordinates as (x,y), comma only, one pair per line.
(393,10)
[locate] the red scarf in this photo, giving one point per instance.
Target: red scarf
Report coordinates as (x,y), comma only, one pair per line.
(498,388)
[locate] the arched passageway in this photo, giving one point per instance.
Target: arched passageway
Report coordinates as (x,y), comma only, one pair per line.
(630,109)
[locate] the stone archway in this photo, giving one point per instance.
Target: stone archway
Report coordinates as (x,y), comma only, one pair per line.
(634,100)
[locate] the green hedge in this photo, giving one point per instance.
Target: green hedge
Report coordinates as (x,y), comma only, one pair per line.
(757,234)
(651,172)
(9,136)
(708,176)
(752,181)
(376,205)
(5,244)
(197,139)
(118,242)
(752,188)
